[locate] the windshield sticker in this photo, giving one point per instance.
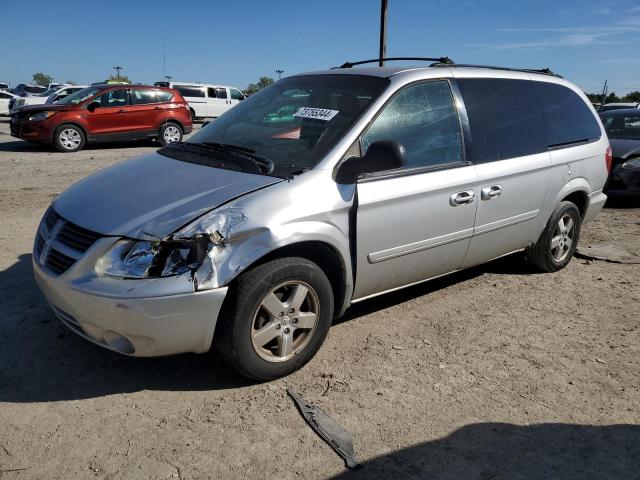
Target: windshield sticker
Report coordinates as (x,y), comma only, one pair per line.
(316,113)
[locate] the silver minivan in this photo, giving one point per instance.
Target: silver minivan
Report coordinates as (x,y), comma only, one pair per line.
(322,190)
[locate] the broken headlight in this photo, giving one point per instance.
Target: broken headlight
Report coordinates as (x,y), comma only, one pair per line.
(182,252)
(142,259)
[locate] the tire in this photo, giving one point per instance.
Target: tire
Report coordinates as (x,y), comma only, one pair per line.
(170,132)
(258,334)
(555,247)
(69,138)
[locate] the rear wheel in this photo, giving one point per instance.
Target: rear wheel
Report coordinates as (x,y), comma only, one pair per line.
(557,244)
(68,138)
(170,132)
(275,318)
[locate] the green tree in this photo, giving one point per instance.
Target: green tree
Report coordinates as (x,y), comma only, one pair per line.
(122,78)
(612,98)
(632,97)
(42,79)
(255,87)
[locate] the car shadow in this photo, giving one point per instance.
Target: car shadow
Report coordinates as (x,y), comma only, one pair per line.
(509,265)
(43,361)
(504,451)
(24,146)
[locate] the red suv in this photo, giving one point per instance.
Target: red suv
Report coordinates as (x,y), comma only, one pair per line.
(104,113)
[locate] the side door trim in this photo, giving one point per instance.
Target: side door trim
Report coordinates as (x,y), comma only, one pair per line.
(419,246)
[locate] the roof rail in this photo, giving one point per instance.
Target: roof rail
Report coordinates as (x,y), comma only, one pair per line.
(439,61)
(543,71)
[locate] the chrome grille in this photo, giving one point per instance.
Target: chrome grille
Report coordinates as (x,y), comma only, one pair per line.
(59,243)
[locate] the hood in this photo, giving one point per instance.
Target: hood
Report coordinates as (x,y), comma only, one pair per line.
(152,196)
(44,107)
(623,148)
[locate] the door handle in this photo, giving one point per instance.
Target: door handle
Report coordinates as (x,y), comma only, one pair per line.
(462,198)
(158,108)
(494,191)
(123,111)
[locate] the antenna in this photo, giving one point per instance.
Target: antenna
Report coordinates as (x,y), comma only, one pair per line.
(164,56)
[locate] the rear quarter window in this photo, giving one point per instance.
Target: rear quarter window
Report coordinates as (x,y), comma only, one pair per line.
(568,118)
(504,117)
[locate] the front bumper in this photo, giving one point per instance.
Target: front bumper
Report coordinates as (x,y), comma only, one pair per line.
(142,318)
(32,131)
(623,182)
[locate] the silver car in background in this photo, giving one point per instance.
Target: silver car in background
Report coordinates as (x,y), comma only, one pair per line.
(322,190)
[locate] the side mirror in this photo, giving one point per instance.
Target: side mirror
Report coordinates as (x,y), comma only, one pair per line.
(92,106)
(382,155)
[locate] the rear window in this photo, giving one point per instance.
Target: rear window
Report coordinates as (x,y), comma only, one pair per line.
(568,118)
(505,118)
(622,126)
(190,91)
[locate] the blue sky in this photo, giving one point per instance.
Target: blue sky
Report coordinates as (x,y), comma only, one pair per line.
(237,42)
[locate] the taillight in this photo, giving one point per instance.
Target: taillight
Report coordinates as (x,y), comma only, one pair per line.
(608,158)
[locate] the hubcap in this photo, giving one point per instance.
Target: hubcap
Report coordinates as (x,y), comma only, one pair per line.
(285,321)
(171,134)
(70,138)
(563,237)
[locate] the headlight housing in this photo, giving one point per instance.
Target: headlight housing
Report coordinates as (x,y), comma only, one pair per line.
(631,164)
(41,116)
(182,252)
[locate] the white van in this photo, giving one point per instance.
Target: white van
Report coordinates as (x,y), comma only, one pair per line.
(205,100)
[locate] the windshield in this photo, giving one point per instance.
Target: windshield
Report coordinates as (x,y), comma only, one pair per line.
(622,126)
(80,96)
(292,123)
(46,93)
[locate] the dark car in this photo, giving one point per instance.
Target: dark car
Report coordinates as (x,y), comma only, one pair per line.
(25,89)
(623,129)
(104,113)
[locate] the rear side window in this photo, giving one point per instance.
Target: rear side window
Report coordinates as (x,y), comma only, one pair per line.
(423,118)
(569,119)
(141,97)
(190,91)
(505,118)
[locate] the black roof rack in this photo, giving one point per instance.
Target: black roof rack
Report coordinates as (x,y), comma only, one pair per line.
(439,60)
(447,62)
(543,71)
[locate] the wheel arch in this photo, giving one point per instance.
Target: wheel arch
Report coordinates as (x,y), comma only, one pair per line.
(323,254)
(75,124)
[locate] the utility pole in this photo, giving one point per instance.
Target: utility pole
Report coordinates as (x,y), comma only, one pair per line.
(279,72)
(383,31)
(117,69)
(605,89)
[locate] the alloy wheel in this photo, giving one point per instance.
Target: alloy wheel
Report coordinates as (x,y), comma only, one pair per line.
(70,139)
(171,134)
(563,237)
(285,321)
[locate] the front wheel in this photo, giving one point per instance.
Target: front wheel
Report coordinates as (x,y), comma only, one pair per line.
(275,319)
(170,132)
(68,138)
(557,243)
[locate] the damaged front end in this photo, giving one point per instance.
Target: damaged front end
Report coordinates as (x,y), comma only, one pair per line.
(196,248)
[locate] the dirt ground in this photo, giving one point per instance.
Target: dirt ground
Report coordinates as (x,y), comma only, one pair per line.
(496,372)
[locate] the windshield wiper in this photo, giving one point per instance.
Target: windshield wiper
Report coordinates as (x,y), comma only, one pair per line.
(263,163)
